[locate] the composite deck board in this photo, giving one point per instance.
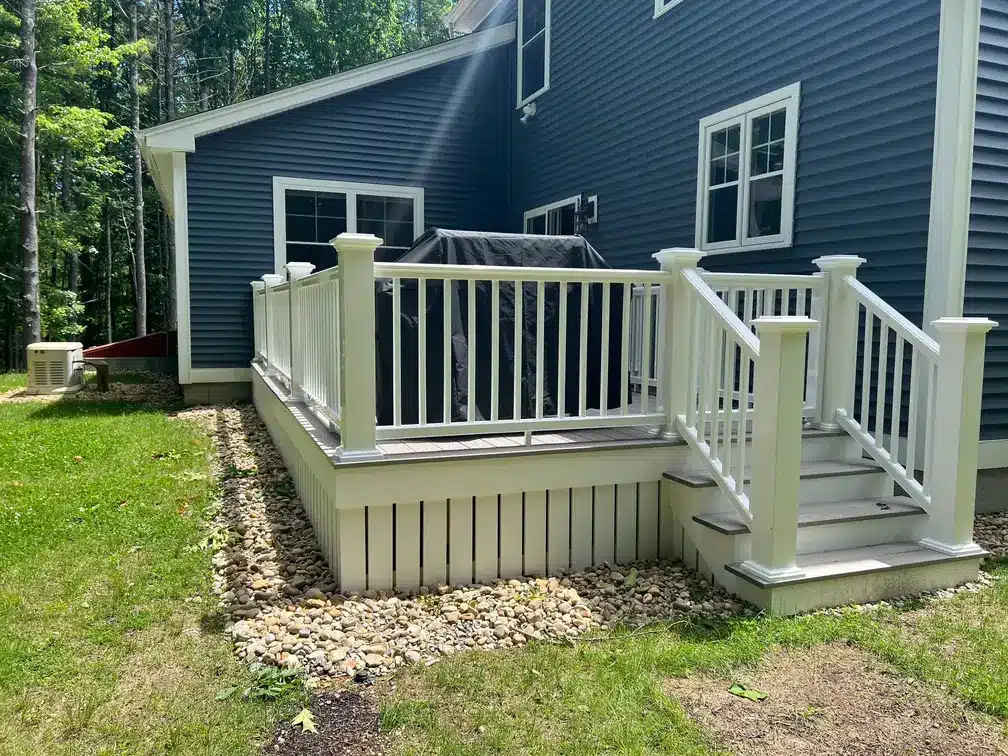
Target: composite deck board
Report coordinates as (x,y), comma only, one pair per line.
(810,515)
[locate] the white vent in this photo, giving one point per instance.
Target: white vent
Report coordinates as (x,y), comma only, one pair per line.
(54,367)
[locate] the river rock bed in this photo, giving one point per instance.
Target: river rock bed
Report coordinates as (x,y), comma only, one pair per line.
(991,532)
(284,609)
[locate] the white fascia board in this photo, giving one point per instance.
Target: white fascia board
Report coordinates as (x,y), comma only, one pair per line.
(161,166)
(181,136)
(468,15)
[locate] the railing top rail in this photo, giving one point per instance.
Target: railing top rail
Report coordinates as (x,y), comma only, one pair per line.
(897,322)
(761,280)
(743,336)
(280,287)
(509,273)
(319,277)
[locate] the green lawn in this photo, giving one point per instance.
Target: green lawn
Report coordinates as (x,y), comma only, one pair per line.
(605,697)
(102,648)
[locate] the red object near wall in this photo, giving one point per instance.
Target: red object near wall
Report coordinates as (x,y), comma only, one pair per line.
(163,344)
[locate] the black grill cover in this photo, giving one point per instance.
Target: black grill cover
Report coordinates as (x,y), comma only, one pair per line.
(439,246)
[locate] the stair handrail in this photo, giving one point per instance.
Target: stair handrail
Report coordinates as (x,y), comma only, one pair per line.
(719,342)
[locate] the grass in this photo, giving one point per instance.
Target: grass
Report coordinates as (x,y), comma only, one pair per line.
(605,697)
(10,381)
(108,643)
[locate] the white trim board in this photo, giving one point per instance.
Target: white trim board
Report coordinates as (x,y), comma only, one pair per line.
(742,115)
(661,7)
(180,203)
(351,189)
(220,375)
(993,454)
(182,134)
(545,209)
(952,163)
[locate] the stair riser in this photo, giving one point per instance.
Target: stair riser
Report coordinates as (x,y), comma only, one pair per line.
(845,488)
(814,449)
(852,535)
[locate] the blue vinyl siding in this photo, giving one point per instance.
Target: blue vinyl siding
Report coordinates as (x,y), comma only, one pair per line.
(987,256)
(627,92)
(443,128)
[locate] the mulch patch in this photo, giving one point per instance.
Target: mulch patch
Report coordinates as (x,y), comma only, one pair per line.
(347,725)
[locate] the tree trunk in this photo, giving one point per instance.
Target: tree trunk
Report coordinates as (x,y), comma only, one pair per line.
(419,22)
(266,50)
(169,83)
(203,69)
(140,314)
(232,84)
(108,272)
(66,200)
(29,219)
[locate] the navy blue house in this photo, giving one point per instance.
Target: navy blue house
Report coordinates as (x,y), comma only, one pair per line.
(764,132)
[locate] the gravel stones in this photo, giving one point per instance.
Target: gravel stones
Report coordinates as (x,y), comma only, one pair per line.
(991,532)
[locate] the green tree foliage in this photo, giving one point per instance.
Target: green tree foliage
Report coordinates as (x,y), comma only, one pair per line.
(84,147)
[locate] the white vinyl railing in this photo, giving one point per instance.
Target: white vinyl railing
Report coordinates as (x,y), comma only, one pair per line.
(537,325)
(259,319)
(639,336)
(278,329)
(752,296)
(898,377)
(719,392)
(318,298)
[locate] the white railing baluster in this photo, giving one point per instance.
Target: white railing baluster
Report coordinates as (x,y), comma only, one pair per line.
(447,341)
(715,382)
(471,355)
(912,414)
(866,366)
(397,365)
(583,351)
(604,383)
(646,353)
(897,400)
(519,300)
(695,327)
(880,387)
(540,347)
(562,354)
(422,350)
(745,376)
(929,438)
(625,325)
(494,350)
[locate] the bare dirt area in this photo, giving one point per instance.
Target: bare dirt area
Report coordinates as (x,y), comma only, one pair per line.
(138,388)
(346,723)
(833,699)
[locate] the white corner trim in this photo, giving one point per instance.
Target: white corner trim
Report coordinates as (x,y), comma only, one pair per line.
(351,189)
(522,102)
(952,162)
(993,454)
(468,15)
(220,375)
(180,202)
(182,134)
(661,7)
(742,114)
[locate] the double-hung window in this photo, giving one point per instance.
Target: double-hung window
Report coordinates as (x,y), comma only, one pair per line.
(309,213)
(533,49)
(555,219)
(746,174)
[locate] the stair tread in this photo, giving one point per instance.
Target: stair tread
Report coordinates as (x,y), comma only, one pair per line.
(810,515)
(826,565)
(819,469)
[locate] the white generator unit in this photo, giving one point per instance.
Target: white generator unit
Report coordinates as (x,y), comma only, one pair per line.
(55,367)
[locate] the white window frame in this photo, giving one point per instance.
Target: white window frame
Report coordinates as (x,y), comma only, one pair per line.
(545,210)
(743,115)
(351,189)
(664,6)
(521,53)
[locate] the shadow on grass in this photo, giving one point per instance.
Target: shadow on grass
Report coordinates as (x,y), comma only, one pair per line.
(213,623)
(128,394)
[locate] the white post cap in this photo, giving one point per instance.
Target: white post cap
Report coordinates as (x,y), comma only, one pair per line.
(785,323)
(839,262)
(963,325)
(273,279)
(357,243)
(258,285)
(676,258)
(299,269)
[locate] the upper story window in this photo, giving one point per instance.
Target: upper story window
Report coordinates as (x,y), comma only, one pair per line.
(660,6)
(746,174)
(555,219)
(533,49)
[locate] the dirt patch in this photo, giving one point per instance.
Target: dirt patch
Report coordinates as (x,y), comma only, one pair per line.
(347,725)
(834,700)
(140,388)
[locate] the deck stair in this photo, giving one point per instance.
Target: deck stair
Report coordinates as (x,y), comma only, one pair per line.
(856,541)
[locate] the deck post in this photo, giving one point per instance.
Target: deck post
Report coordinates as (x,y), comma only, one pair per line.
(955,424)
(295,272)
(269,281)
(840,334)
(777,447)
(358,399)
(258,329)
(675,332)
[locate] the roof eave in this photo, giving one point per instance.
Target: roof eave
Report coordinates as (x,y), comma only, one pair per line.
(468,15)
(181,135)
